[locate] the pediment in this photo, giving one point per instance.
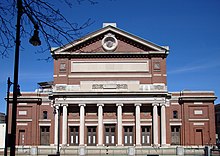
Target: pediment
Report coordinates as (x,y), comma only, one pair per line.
(93,43)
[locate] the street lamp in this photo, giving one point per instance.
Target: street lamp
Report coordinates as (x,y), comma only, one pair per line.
(9,83)
(20,11)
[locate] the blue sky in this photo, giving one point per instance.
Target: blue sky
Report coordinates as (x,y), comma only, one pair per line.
(191,28)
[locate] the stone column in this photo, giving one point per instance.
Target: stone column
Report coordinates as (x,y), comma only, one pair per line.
(56,124)
(82,124)
(163,124)
(65,120)
(155,124)
(138,123)
(119,116)
(100,124)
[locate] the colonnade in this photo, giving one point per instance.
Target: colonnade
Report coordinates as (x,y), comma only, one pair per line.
(119,124)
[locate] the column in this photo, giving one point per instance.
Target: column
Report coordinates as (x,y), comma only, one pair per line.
(138,123)
(119,116)
(100,124)
(56,124)
(65,120)
(82,124)
(155,124)
(163,124)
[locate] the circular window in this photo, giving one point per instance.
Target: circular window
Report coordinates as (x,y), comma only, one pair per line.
(109,43)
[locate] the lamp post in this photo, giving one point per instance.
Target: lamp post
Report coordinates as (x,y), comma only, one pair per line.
(9,83)
(16,63)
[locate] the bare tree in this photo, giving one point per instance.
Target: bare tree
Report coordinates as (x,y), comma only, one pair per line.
(54,27)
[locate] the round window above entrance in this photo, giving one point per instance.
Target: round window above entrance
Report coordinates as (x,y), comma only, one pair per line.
(109,42)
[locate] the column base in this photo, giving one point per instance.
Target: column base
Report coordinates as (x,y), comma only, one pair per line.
(156,145)
(165,145)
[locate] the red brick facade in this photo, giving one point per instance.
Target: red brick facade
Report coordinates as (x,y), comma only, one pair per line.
(114,97)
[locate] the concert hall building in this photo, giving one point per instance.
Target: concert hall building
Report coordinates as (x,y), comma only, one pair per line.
(110,89)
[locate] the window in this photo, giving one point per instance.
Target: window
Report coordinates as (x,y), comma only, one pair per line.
(156,66)
(74,136)
(146,135)
(62,67)
(128,136)
(109,135)
(175,114)
(44,114)
(91,132)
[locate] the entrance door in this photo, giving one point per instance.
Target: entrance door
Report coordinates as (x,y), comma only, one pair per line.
(109,135)
(175,135)
(146,135)
(21,137)
(128,136)
(45,135)
(91,133)
(74,136)
(198,137)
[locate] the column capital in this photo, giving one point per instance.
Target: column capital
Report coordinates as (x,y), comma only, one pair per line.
(82,104)
(57,105)
(163,104)
(100,104)
(155,104)
(137,104)
(64,104)
(119,104)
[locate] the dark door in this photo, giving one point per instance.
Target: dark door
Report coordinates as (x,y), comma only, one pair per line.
(146,135)
(128,136)
(22,138)
(175,135)
(74,136)
(91,133)
(45,135)
(109,135)
(198,137)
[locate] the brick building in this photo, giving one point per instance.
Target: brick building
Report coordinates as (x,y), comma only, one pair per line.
(110,88)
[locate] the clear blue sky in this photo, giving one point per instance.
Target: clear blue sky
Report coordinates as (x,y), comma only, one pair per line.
(191,28)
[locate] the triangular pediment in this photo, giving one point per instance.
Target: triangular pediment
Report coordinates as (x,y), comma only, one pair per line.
(93,43)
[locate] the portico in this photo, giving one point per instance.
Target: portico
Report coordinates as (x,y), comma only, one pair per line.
(115,121)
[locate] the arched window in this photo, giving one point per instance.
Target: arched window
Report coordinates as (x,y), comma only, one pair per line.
(175,114)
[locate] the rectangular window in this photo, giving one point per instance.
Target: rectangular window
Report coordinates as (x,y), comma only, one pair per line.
(128,136)
(109,135)
(44,114)
(175,114)
(146,135)
(91,133)
(62,67)
(156,66)
(74,136)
